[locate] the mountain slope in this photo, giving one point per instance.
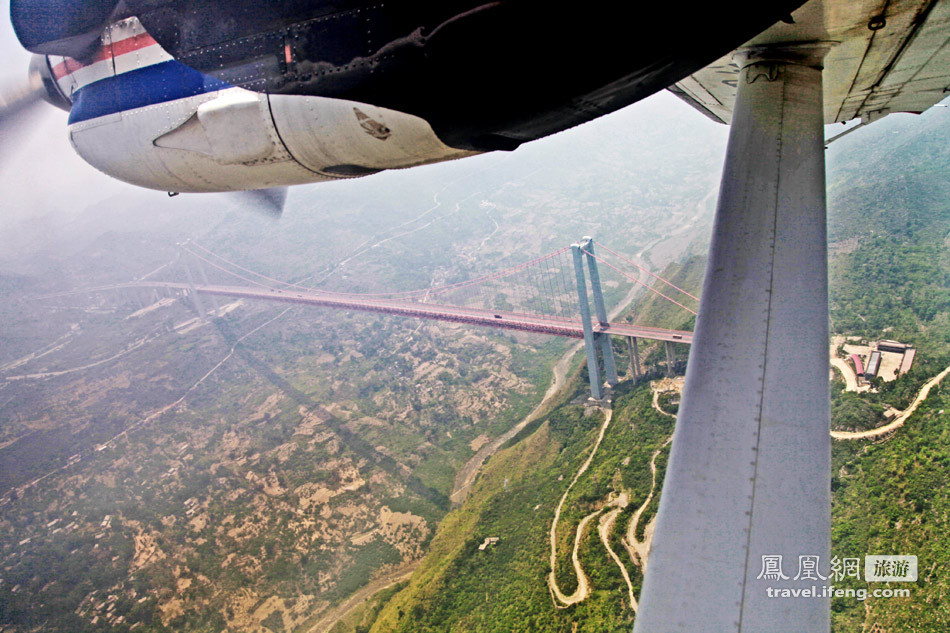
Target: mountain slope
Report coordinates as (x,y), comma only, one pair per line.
(890,272)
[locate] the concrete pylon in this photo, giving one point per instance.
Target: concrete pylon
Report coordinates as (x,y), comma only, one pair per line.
(596,388)
(192,291)
(634,351)
(606,350)
(670,359)
(204,279)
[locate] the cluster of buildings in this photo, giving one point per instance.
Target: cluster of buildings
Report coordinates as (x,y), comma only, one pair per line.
(871,367)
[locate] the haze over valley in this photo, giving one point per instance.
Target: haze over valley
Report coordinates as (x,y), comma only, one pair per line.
(250,472)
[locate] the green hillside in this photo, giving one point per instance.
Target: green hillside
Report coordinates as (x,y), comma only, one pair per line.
(890,274)
(462,588)
(889,208)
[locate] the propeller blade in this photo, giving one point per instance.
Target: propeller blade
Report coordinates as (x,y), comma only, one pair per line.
(17,102)
(14,99)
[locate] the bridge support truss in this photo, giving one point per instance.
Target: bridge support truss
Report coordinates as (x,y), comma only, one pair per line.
(634,349)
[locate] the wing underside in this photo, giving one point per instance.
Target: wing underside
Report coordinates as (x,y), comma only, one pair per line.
(886,57)
(746,489)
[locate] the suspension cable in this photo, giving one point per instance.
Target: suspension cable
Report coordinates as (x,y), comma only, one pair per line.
(408,293)
(230,272)
(650,288)
(632,263)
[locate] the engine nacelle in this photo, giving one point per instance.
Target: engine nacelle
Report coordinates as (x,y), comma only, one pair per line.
(237,139)
(142,117)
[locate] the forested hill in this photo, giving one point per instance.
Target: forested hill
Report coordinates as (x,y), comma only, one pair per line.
(889,233)
(891,178)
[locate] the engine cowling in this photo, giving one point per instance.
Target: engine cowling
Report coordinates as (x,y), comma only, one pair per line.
(236,139)
(142,117)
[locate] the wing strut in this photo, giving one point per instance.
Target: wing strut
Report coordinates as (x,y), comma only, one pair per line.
(748,476)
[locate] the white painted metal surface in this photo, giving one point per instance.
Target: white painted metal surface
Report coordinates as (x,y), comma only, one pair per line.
(235,128)
(322,133)
(128,146)
(228,139)
(887,57)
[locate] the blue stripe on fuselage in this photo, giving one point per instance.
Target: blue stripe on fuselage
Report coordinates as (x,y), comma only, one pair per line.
(159,83)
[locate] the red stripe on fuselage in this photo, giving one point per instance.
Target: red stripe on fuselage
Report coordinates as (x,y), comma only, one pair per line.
(132,44)
(66,67)
(128,45)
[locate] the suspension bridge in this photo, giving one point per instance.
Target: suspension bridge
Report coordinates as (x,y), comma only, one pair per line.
(551,294)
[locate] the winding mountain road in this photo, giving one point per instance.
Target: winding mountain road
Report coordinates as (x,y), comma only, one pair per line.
(604,529)
(900,419)
(583,585)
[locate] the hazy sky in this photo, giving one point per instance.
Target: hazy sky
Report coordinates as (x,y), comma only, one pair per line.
(40,173)
(41,176)
(14,57)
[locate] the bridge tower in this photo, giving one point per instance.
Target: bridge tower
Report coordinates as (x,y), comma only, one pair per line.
(204,279)
(592,339)
(196,300)
(610,367)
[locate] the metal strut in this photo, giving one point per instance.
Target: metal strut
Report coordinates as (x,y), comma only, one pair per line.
(746,499)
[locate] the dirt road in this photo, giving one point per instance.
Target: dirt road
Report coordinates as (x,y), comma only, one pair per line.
(583,586)
(900,419)
(604,529)
(638,550)
(850,380)
(326,622)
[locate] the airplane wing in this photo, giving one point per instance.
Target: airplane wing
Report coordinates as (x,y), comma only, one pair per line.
(742,539)
(890,59)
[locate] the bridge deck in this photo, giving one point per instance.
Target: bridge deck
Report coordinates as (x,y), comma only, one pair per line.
(554,326)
